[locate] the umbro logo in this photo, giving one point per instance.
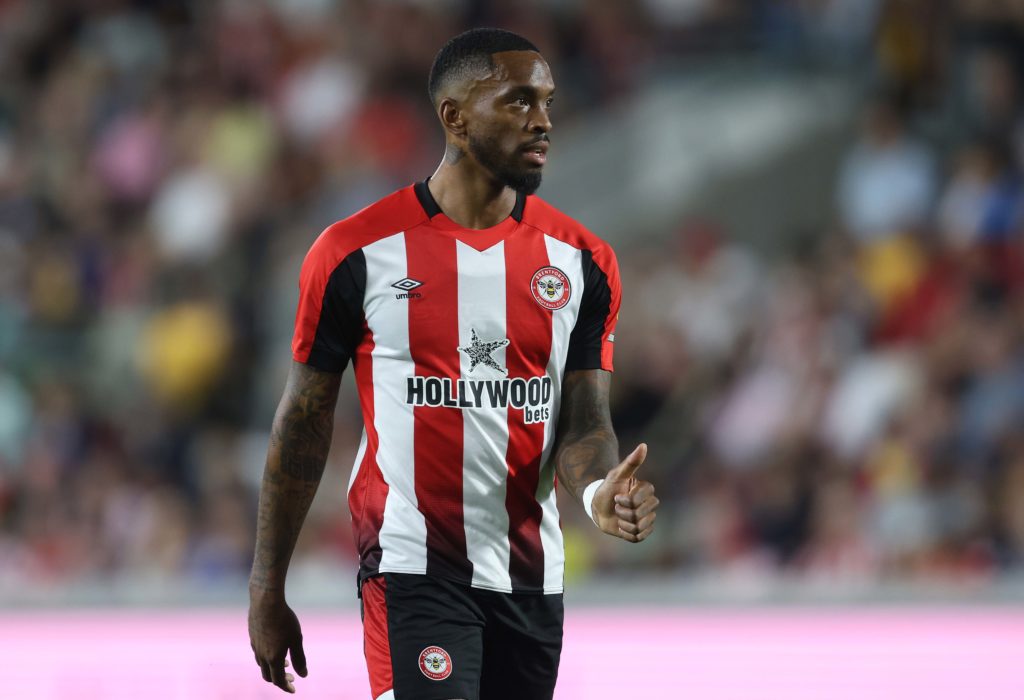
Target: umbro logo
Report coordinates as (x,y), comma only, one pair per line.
(407,284)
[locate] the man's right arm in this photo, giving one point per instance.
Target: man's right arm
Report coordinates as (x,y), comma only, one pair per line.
(299,442)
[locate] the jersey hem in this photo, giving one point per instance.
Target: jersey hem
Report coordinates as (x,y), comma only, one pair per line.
(547,590)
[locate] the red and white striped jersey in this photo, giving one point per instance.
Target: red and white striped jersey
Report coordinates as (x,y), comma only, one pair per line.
(459,340)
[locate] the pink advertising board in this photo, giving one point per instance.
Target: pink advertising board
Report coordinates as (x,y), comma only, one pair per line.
(614,653)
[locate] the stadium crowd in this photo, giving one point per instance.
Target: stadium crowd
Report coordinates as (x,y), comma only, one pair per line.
(848,409)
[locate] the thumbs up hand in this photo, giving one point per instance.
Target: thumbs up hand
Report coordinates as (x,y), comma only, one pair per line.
(623,505)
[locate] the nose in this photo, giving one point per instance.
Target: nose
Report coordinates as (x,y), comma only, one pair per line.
(540,120)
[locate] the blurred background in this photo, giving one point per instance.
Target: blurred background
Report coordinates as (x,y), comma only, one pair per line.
(818,211)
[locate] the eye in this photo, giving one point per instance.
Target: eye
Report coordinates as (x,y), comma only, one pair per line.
(522,101)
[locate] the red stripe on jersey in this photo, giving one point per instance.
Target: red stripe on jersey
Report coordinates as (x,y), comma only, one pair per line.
(376,642)
(369,491)
(437,432)
(528,327)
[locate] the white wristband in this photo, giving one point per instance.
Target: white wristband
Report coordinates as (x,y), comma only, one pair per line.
(588,497)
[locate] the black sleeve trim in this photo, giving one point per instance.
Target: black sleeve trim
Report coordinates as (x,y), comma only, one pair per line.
(341,316)
(587,336)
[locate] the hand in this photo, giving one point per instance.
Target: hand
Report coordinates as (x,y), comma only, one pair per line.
(624,506)
(273,632)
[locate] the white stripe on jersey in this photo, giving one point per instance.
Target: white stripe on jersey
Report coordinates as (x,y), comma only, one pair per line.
(360,453)
(570,261)
(403,534)
(485,430)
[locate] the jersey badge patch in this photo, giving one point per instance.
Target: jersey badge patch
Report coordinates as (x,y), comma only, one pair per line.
(435,663)
(550,288)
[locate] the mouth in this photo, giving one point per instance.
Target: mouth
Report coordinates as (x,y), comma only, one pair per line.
(536,153)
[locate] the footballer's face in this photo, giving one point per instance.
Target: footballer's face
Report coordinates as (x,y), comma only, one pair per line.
(509,119)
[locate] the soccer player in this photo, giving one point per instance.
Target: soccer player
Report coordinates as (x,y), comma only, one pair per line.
(480,323)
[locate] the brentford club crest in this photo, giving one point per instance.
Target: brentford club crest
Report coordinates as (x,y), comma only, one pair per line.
(435,663)
(550,288)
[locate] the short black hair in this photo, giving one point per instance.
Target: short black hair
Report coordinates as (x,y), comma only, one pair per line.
(470,51)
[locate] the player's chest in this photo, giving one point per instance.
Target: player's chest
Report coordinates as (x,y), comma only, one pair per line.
(520,292)
(510,279)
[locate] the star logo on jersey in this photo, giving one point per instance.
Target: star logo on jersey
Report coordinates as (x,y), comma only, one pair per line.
(479,351)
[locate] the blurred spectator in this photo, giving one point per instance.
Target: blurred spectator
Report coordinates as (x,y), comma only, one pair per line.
(887,180)
(846,412)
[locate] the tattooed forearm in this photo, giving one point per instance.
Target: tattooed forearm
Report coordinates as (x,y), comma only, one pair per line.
(585,446)
(299,442)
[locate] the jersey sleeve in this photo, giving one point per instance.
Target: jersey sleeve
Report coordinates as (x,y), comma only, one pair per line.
(592,343)
(329,320)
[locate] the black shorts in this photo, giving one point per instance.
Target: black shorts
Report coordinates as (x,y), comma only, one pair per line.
(431,639)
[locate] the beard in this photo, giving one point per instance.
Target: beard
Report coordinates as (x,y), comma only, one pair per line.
(487,152)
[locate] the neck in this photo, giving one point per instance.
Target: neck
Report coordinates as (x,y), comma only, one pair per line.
(469,196)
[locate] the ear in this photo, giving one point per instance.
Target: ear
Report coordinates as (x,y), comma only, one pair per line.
(452,117)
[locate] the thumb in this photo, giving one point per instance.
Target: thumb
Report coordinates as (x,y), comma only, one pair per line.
(627,468)
(299,659)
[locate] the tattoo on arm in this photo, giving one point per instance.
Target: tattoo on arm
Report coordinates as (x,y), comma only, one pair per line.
(299,442)
(585,445)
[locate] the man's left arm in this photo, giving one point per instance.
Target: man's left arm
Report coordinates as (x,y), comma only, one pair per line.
(587,462)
